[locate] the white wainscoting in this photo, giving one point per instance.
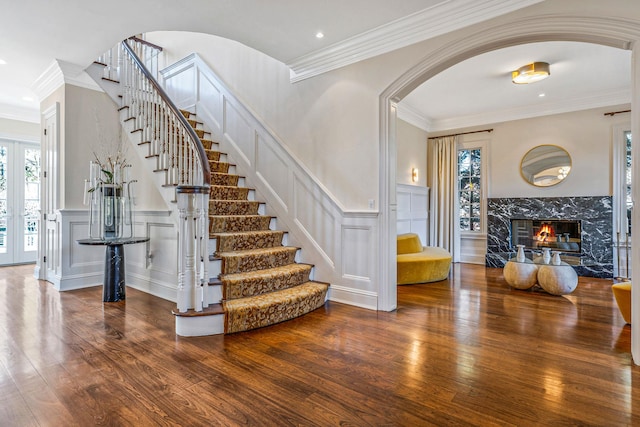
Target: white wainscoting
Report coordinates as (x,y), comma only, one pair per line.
(341,244)
(413,211)
(151,267)
(473,248)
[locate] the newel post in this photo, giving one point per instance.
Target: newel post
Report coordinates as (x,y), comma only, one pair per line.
(193,236)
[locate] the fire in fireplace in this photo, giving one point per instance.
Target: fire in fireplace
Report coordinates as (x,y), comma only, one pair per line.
(561,235)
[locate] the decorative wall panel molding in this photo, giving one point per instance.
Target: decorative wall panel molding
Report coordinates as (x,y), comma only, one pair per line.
(313,218)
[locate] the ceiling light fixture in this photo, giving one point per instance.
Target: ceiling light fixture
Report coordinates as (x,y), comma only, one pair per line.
(531,73)
(3,62)
(319,35)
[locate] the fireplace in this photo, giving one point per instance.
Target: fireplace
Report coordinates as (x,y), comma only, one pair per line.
(555,234)
(593,225)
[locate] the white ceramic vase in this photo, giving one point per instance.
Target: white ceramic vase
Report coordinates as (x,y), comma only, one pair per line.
(520,255)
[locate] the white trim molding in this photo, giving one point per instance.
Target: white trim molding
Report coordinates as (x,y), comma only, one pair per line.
(150,267)
(442,18)
(61,72)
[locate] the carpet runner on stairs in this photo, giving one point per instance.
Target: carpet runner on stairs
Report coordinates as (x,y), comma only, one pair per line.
(262,284)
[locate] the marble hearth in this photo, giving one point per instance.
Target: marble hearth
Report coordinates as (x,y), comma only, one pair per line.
(594,213)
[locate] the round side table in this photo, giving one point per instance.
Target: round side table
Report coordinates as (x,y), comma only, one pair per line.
(113,287)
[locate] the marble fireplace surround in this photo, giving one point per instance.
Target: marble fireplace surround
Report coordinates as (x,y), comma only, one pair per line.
(595,212)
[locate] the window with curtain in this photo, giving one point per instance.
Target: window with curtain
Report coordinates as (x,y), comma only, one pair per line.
(469,189)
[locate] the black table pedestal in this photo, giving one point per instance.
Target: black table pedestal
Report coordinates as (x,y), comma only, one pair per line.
(113,288)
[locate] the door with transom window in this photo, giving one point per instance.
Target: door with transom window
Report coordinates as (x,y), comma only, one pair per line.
(19,201)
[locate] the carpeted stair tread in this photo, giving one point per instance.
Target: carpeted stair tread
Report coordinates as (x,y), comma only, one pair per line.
(248,313)
(228,192)
(233,207)
(257,282)
(243,240)
(207,143)
(231,223)
(212,154)
(256,259)
(218,167)
(224,179)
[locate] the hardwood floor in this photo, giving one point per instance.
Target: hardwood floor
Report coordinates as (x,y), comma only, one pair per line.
(465,351)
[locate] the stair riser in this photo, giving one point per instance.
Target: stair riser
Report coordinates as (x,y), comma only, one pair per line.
(235,264)
(271,310)
(230,193)
(245,242)
(234,207)
(261,285)
(233,224)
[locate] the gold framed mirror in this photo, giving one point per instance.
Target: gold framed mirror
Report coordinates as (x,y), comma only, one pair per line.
(545,165)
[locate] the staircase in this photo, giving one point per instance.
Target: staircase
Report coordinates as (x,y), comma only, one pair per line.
(256,280)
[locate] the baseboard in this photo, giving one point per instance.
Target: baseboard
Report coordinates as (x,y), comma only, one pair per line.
(351,296)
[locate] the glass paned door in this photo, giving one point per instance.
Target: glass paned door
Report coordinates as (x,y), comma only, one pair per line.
(19,202)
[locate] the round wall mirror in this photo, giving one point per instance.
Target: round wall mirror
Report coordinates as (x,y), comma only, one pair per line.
(545,165)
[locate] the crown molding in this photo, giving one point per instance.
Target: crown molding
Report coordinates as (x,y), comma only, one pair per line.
(412,116)
(19,113)
(59,73)
(622,96)
(428,23)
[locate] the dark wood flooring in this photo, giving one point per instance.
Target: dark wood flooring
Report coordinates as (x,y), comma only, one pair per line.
(465,351)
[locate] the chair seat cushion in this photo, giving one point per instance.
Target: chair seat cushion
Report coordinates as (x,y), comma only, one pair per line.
(431,264)
(622,293)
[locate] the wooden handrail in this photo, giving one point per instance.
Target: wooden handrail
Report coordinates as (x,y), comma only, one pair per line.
(206,171)
(142,41)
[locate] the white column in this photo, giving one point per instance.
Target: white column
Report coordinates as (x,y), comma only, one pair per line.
(635,192)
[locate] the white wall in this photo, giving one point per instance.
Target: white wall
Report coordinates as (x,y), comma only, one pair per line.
(17,130)
(91,120)
(412,153)
(586,135)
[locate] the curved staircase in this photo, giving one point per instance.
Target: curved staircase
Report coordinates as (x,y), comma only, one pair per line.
(256,279)
(259,279)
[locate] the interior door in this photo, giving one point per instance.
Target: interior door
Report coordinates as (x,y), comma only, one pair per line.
(19,201)
(50,233)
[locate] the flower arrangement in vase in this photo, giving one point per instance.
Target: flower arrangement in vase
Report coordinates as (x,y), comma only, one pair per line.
(109,192)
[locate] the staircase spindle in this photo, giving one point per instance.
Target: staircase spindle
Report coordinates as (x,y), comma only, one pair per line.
(179,152)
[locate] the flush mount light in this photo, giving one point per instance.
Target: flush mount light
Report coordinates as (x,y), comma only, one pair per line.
(319,35)
(3,62)
(531,73)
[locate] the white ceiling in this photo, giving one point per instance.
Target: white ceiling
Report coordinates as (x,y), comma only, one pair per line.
(35,33)
(479,90)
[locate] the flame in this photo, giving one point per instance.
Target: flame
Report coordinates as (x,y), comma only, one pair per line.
(546,231)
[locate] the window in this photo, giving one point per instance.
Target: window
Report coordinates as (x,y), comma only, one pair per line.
(470,189)
(627,174)
(622,200)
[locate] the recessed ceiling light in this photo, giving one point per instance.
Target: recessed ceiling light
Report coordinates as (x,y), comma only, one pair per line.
(2,62)
(541,95)
(319,35)
(27,98)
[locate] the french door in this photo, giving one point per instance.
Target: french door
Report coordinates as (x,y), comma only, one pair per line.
(19,201)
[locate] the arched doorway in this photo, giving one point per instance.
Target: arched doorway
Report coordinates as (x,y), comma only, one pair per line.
(612,32)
